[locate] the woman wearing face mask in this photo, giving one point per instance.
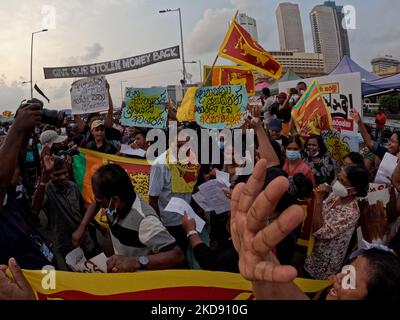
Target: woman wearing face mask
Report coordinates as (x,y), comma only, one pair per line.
(319,160)
(294,163)
(335,219)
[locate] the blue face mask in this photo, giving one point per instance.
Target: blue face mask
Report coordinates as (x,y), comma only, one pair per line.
(221,145)
(293,155)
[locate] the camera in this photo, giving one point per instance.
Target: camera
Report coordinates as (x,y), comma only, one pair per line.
(70,152)
(51,117)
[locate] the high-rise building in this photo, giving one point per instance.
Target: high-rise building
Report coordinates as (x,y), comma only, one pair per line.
(289,27)
(249,24)
(344,36)
(326,37)
(385,66)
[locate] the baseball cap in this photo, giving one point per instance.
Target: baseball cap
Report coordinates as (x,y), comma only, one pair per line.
(50,137)
(275,125)
(97,123)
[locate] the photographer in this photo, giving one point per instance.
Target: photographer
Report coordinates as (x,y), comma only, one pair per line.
(63,204)
(19,238)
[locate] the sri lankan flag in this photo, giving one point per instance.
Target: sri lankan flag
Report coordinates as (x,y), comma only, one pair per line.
(149,285)
(240,47)
(311,114)
(87,162)
(231,75)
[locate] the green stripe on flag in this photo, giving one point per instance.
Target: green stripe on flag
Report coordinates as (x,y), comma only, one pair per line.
(79,169)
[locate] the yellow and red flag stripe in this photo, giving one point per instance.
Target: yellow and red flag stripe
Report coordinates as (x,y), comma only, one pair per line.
(150,285)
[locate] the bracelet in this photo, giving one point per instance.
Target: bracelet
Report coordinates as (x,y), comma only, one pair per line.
(191,233)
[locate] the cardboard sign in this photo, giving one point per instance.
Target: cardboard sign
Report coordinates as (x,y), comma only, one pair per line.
(342,94)
(221,107)
(337,147)
(89,95)
(145,107)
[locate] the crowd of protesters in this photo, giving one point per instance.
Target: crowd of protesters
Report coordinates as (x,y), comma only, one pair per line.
(43,215)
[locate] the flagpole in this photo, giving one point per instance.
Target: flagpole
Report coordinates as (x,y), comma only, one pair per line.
(216,58)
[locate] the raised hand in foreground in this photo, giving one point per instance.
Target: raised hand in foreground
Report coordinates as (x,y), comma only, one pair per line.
(254,239)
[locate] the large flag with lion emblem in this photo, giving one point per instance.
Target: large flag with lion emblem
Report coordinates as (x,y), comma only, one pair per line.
(311,114)
(240,47)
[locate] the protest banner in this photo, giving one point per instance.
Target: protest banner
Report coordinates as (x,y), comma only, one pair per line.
(152,285)
(114,66)
(145,107)
(342,94)
(378,192)
(337,147)
(87,162)
(311,114)
(386,169)
(221,107)
(89,95)
(232,75)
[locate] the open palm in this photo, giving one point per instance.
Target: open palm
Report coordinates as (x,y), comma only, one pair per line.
(252,237)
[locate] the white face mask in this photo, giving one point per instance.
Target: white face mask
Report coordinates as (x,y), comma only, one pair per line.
(339,190)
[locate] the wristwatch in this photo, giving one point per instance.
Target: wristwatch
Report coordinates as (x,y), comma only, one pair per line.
(191,232)
(144,262)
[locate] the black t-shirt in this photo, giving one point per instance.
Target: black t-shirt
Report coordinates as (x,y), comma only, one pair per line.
(111,134)
(20,239)
(284,114)
(106,147)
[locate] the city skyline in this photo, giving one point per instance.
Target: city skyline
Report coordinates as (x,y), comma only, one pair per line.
(290,28)
(91,32)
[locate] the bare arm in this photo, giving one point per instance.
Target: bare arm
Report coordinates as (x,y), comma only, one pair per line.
(80,123)
(320,195)
(91,212)
(153,202)
(109,120)
(171,259)
(48,166)
(25,121)
(363,130)
(266,150)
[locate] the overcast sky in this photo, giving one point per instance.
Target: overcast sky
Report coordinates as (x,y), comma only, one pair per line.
(92,31)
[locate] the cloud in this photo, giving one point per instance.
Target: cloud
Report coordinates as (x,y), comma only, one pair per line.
(209,32)
(11,95)
(93,52)
(59,92)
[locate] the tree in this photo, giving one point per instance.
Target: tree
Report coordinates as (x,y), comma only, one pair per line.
(391,103)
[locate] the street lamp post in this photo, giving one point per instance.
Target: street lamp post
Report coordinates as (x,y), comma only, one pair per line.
(183,52)
(201,76)
(44,30)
